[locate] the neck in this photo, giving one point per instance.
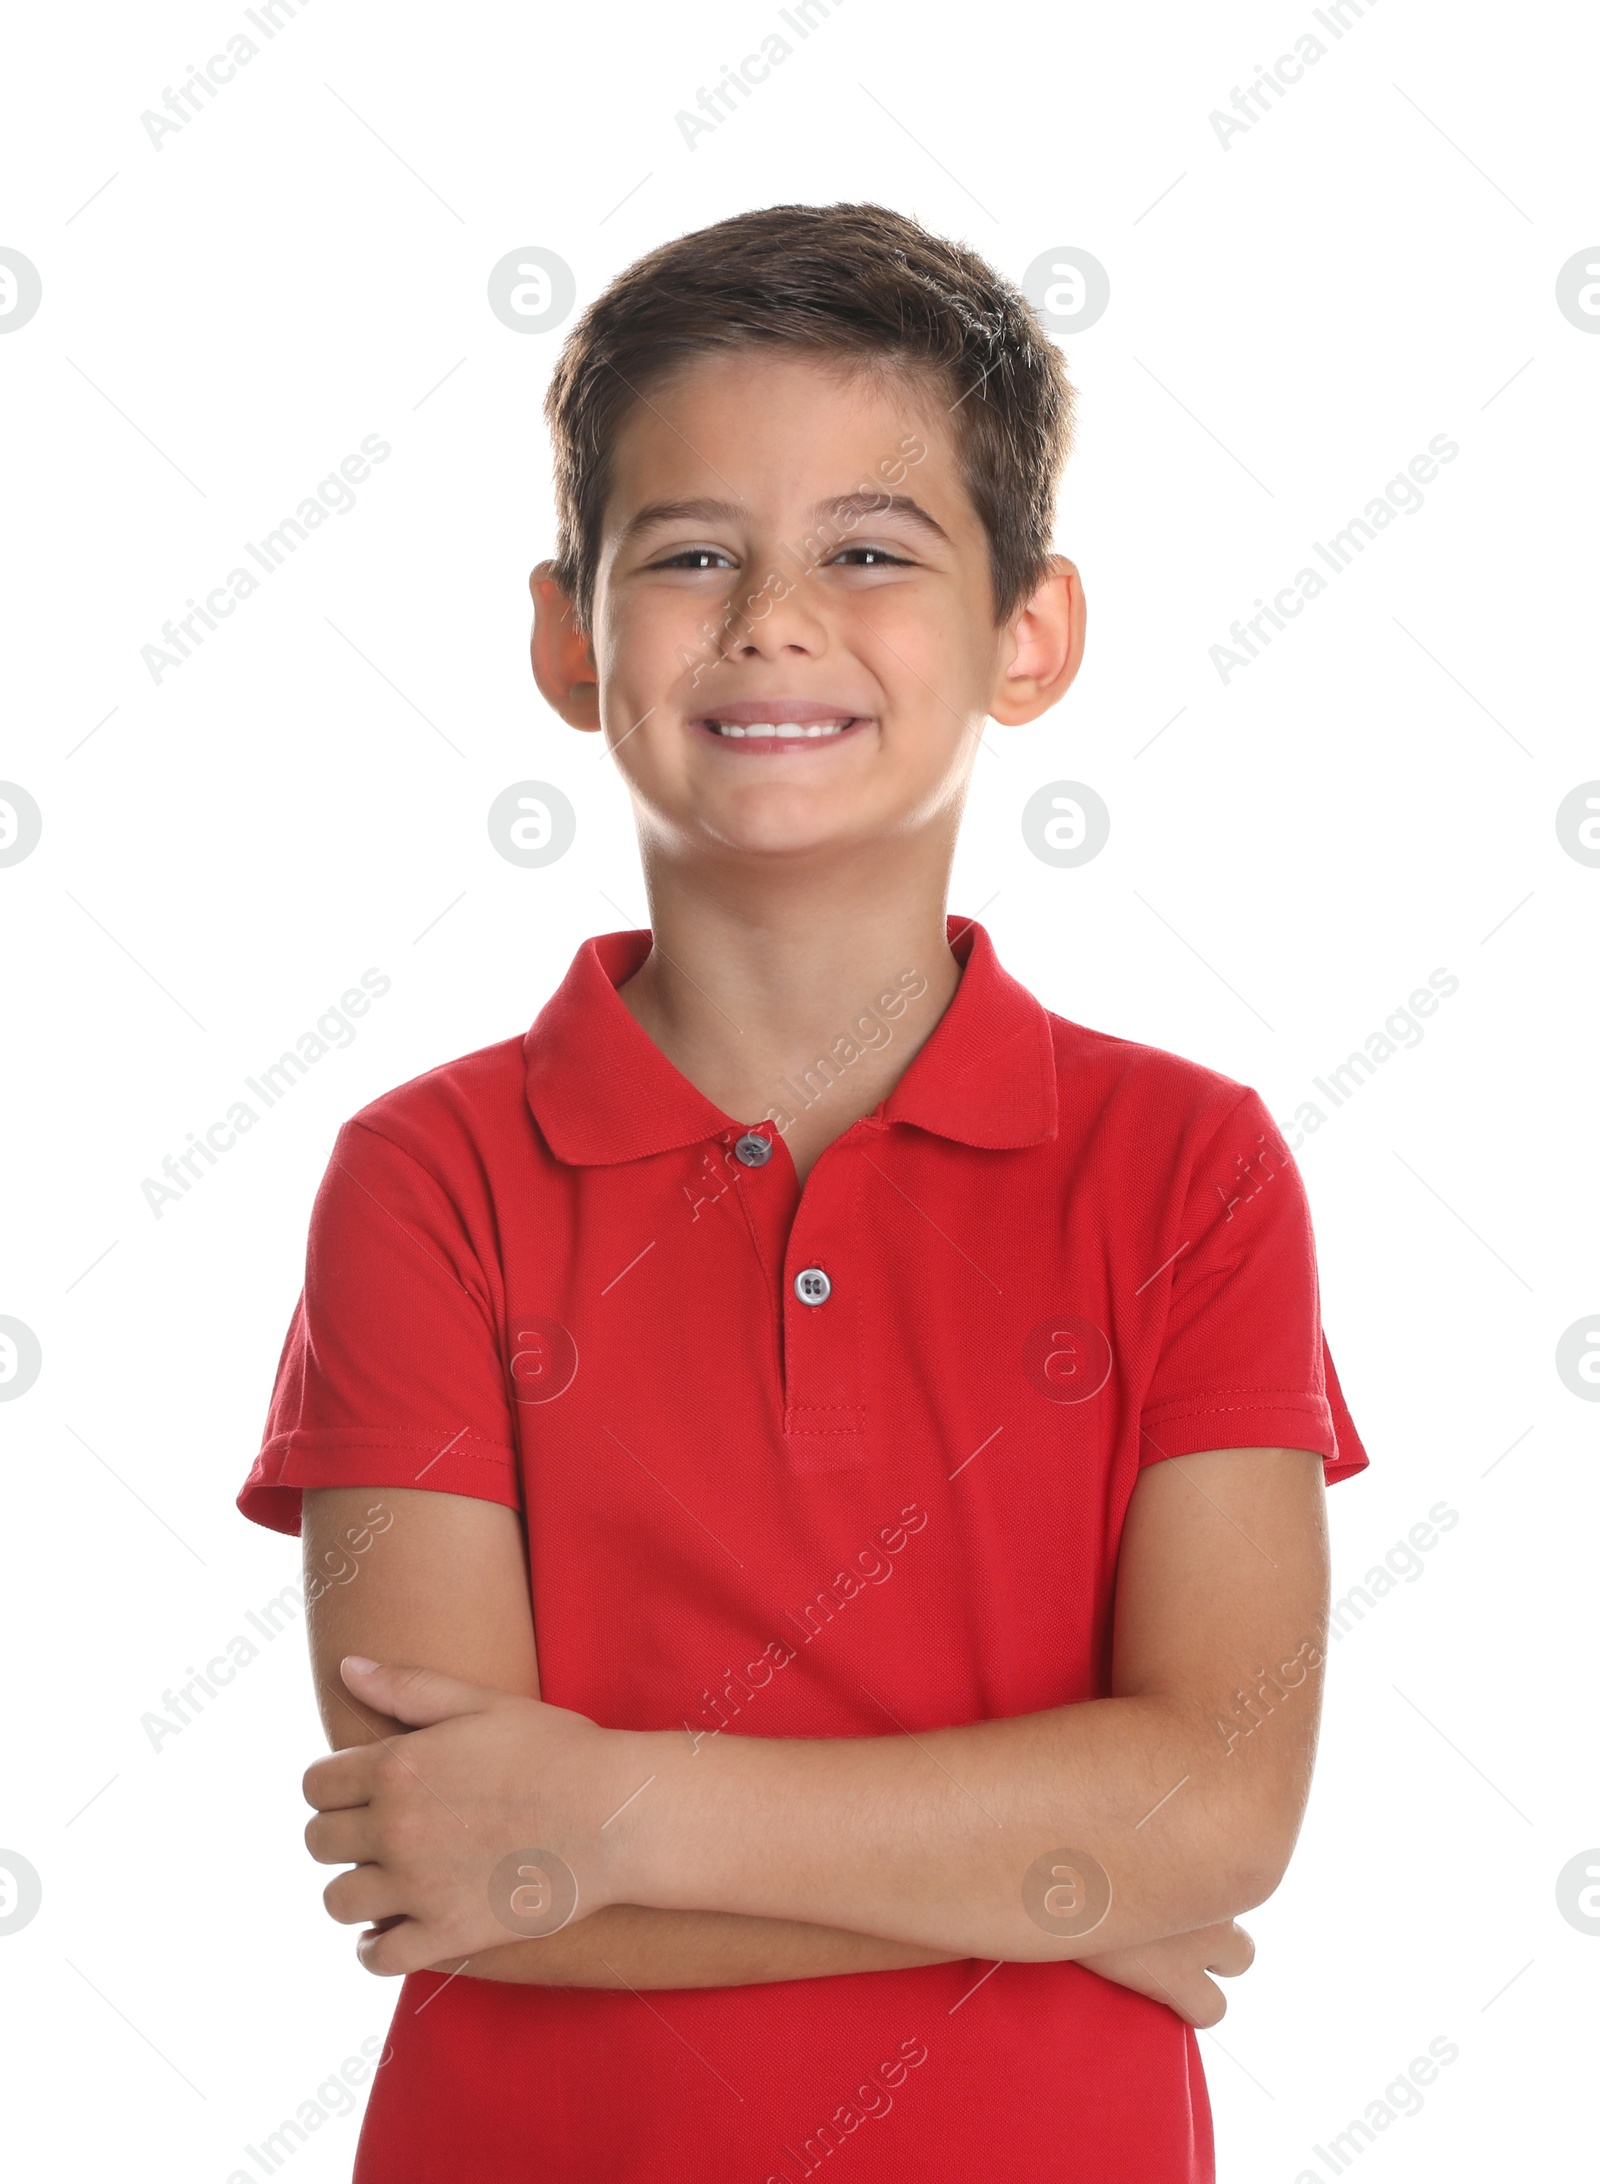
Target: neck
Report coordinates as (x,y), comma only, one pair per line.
(748,991)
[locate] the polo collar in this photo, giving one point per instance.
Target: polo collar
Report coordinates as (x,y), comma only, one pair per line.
(602,1091)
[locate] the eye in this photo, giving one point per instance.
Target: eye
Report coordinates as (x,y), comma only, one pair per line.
(881,558)
(695,557)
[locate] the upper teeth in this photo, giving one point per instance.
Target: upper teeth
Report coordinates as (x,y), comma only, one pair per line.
(776,728)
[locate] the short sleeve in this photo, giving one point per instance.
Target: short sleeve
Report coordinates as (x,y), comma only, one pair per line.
(1243,1360)
(391,1373)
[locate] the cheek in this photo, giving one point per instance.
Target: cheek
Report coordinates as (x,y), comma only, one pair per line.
(664,643)
(926,651)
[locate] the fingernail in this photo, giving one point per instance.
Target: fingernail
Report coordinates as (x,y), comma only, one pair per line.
(359,1662)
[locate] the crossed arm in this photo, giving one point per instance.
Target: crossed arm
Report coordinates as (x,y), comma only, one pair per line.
(729,1861)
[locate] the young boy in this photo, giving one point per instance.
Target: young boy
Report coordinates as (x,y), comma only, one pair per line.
(811,1466)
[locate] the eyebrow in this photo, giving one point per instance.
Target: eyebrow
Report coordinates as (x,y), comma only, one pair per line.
(655,514)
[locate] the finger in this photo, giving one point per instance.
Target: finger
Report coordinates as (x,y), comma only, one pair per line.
(342,1837)
(419,1697)
(361,1898)
(342,1778)
(1235,1953)
(418,1944)
(401,1948)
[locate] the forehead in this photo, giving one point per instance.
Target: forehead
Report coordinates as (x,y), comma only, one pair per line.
(771,425)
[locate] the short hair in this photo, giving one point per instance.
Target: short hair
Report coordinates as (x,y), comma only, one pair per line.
(854,283)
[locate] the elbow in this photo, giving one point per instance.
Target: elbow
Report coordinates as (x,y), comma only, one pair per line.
(1263,1815)
(1262,1844)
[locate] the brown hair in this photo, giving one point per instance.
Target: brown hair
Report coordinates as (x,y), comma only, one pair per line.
(859,283)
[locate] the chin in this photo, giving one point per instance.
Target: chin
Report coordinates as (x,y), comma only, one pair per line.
(789,834)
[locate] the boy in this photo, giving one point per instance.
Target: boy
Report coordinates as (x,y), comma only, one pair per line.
(811,1467)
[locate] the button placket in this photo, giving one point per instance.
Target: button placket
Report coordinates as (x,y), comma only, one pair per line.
(769,1210)
(824,1384)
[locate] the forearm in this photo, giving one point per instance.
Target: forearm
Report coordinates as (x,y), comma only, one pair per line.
(631,1945)
(944,1839)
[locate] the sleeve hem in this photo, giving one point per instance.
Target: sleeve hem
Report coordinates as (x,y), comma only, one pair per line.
(1263,1418)
(462,1463)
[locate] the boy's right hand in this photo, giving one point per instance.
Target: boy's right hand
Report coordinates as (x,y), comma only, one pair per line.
(1173,1970)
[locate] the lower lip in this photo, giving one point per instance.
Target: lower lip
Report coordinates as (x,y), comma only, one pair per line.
(774,746)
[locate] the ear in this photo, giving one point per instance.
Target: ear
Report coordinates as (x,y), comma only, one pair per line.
(563,661)
(1047,636)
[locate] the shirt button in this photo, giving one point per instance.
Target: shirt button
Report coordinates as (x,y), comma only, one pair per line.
(811,1285)
(753,1149)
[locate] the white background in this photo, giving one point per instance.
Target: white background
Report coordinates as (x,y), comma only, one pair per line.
(1292,318)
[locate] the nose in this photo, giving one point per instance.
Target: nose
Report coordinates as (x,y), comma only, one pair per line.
(781,614)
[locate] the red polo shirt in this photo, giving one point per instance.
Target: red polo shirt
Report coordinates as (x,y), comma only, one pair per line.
(552,1274)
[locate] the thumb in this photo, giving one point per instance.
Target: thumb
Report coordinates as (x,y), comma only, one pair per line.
(418,1697)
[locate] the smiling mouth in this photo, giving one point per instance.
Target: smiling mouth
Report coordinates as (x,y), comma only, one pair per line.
(784,729)
(759,725)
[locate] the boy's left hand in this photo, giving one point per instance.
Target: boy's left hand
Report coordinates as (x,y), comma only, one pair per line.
(427,1818)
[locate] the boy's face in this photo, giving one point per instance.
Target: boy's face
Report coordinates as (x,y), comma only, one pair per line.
(787,544)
